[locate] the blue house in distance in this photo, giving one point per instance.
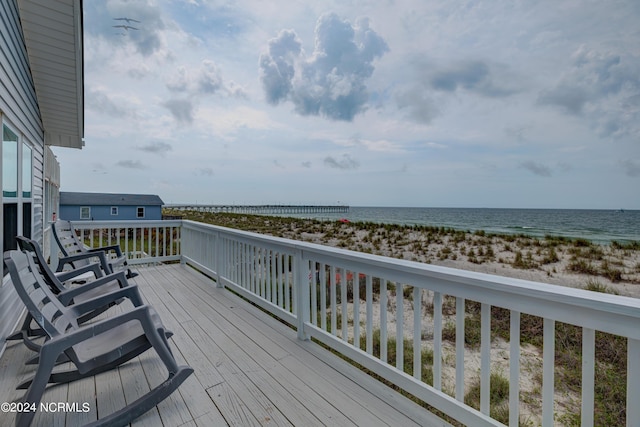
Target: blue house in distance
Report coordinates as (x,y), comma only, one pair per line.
(109,207)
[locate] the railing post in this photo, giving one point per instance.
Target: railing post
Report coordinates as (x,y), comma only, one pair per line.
(181,236)
(217,247)
(302,294)
(53,256)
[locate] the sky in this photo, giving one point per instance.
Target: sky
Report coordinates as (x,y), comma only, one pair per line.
(501,103)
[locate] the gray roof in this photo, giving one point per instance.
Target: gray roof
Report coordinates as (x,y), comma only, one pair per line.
(109,199)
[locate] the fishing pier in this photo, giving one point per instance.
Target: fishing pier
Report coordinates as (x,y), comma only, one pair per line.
(261,209)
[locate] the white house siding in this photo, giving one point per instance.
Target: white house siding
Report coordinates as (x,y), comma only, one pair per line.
(19,109)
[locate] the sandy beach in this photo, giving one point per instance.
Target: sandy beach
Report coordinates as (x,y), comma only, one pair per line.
(578,263)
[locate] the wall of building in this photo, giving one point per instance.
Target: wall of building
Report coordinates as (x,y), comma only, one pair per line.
(19,111)
(103,213)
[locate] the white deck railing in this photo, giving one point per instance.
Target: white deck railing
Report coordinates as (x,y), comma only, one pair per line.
(345,300)
(143,241)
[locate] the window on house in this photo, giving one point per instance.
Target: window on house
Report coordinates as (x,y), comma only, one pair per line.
(27,180)
(17,188)
(140,212)
(9,163)
(26,219)
(10,226)
(85,212)
(114,210)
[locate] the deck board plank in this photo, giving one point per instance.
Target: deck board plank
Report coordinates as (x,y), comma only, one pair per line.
(82,391)
(12,372)
(109,393)
(52,417)
(135,386)
(231,405)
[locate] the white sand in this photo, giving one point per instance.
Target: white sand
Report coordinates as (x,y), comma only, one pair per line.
(501,264)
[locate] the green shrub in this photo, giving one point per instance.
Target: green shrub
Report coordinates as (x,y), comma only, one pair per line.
(498,393)
(595,286)
(581,266)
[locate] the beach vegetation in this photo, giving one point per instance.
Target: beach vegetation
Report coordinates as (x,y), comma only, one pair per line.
(489,254)
(444,253)
(407,293)
(611,273)
(582,243)
(633,245)
(498,396)
(523,262)
(407,350)
(551,256)
(595,286)
(581,266)
(556,240)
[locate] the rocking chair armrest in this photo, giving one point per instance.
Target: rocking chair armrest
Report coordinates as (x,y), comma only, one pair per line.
(67,340)
(94,268)
(115,248)
(68,295)
(71,258)
(119,276)
(130,292)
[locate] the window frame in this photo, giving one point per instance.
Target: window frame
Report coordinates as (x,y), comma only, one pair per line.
(88,211)
(138,210)
(27,149)
(22,200)
(114,211)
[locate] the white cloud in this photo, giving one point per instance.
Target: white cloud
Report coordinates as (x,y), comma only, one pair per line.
(331,82)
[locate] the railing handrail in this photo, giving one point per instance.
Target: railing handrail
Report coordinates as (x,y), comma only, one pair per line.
(86,225)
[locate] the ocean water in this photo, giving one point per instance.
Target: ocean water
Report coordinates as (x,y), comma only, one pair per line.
(600,226)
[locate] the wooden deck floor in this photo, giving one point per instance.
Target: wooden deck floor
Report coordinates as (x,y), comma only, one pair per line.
(249,370)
